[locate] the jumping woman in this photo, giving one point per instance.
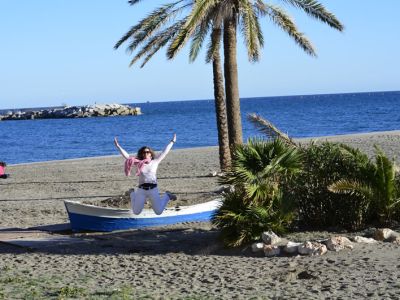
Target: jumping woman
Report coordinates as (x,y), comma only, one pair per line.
(147,163)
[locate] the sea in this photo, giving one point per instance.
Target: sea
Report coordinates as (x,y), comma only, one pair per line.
(194,122)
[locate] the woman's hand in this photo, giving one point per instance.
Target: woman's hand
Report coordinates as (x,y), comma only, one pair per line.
(116,142)
(174,138)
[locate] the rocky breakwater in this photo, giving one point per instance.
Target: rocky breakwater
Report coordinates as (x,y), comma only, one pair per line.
(97,110)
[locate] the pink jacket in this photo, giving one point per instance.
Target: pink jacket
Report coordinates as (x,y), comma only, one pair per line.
(2,170)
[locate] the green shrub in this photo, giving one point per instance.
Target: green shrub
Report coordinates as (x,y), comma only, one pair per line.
(258,170)
(242,221)
(323,165)
(379,187)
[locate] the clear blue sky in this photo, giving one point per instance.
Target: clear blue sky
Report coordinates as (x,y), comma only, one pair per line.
(61,51)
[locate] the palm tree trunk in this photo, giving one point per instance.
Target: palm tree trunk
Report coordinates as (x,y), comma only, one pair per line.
(231,83)
(220,107)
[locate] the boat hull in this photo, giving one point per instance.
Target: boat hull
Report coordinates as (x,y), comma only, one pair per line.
(85,217)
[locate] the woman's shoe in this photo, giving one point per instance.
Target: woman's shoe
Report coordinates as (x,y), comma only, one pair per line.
(171,196)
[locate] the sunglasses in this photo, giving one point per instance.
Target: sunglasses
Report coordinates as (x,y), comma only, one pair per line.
(146,151)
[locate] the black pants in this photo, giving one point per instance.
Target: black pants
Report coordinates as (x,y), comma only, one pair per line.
(4,176)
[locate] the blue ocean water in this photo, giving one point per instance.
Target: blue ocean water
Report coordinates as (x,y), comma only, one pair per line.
(195,125)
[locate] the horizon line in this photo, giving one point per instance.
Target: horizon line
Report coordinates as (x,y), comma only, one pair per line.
(187,100)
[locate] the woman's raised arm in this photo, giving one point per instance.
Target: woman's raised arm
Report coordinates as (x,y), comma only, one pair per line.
(166,150)
(121,150)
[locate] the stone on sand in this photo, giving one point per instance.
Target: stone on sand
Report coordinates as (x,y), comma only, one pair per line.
(271,250)
(385,234)
(312,248)
(291,247)
(361,239)
(270,238)
(257,247)
(337,243)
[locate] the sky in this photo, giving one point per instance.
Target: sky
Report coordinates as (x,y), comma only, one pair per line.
(57,52)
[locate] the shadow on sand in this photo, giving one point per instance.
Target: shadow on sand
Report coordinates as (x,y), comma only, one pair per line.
(193,239)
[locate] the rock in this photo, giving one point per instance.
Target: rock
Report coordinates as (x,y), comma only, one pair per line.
(212,174)
(270,238)
(75,112)
(100,112)
(219,190)
(337,243)
(396,240)
(291,247)
(382,234)
(312,248)
(257,247)
(224,189)
(361,239)
(271,250)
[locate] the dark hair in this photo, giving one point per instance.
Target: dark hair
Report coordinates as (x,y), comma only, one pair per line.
(3,164)
(140,154)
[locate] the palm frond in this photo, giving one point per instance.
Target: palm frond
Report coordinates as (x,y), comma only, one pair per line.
(385,175)
(251,30)
(352,187)
(318,11)
(287,162)
(260,8)
(200,11)
(154,22)
(354,153)
(198,39)
(269,129)
(156,43)
(261,192)
(155,49)
(284,21)
(138,32)
(133,2)
(127,35)
(150,24)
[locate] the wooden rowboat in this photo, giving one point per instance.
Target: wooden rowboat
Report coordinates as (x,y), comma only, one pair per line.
(86,217)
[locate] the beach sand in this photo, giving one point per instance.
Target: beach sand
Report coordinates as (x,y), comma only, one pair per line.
(178,261)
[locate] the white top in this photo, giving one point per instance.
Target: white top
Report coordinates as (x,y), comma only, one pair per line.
(149,171)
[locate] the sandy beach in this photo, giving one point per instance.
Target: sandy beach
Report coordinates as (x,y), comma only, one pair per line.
(182,261)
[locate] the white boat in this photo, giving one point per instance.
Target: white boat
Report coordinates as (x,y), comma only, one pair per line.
(86,217)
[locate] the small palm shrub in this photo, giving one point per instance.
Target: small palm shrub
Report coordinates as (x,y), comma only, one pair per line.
(259,169)
(242,221)
(379,187)
(323,165)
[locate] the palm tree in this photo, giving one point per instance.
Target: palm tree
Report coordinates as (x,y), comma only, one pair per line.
(245,15)
(154,36)
(220,105)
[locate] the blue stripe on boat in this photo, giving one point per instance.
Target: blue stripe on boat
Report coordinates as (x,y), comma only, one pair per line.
(84,222)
